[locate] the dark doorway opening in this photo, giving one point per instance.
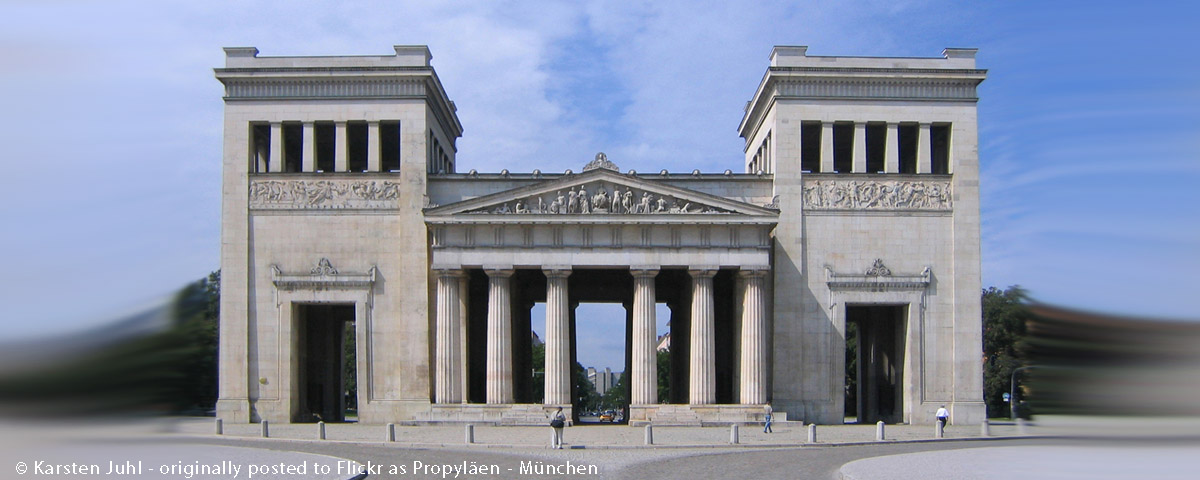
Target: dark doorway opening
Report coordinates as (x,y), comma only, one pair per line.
(327,376)
(875,362)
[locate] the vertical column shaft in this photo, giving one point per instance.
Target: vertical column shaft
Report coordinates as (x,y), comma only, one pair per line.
(859,164)
(754,339)
(558,338)
(448,370)
(924,158)
(891,153)
(826,147)
(373,162)
(464,334)
(645,360)
(499,338)
(703,372)
(309,155)
(276,162)
(341,148)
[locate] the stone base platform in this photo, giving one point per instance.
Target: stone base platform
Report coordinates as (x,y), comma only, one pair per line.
(699,415)
(503,414)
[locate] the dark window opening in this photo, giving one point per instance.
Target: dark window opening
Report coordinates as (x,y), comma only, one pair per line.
(810,147)
(389,146)
(326,146)
(843,147)
(293,147)
(876,147)
(260,148)
(356,150)
(908,147)
(939,149)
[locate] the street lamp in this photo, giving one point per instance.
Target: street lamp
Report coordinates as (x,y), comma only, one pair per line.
(1012,399)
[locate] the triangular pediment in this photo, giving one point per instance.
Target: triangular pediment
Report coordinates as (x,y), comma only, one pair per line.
(600,192)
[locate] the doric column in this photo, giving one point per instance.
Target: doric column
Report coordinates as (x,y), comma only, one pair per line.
(341,148)
(826,147)
(276,162)
(924,161)
(464,334)
(859,164)
(448,375)
(754,338)
(702,381)
(308,156)
(373,163)
(558,338)
(891,153)
(645,360)
(499,338)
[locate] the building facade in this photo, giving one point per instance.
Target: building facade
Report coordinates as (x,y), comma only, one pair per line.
(348,232)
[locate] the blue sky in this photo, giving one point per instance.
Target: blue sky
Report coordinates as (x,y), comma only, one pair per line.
(110,124)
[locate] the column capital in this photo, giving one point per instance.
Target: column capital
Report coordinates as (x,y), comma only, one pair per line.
(753,272)
(641,271)
(556,271)
(448,271)
(499,272)
(703,271)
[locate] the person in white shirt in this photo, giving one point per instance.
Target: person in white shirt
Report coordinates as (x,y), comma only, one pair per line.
(942,415)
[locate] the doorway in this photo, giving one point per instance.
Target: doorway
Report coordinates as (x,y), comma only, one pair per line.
(874,362)
(327,377)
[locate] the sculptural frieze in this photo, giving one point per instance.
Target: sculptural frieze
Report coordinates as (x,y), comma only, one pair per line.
(877,195)
(599,199)
(601,161)
(324,194)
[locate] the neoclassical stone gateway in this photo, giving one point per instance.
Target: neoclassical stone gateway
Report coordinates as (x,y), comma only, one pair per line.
(344,216)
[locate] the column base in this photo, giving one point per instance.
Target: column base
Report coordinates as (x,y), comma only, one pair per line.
(234,410)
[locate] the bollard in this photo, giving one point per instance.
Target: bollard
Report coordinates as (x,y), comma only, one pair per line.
(649,435)
(265,430)
(812,433)
(733,434)
(220,427)
(391,432)
(879,431)
(939,431)
(470,433)
(984,429)
(320,430)
(1021,427)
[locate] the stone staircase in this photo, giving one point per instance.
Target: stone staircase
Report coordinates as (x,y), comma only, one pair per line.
(675,415)
(522,414)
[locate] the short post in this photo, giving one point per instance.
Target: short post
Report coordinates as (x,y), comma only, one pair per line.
(984,429)
(220,428)
(812,433)
(320,430)
(649,435)
(266,429)
(391,432)
(879,431)
(469,433)
(733,434)
(1021,427)
(939,431)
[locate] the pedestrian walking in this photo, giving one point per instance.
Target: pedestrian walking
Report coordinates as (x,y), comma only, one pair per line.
(770,412)
(942,415)
(557,422)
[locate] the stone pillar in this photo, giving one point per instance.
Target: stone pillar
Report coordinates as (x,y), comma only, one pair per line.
(464,334)
(702,380)
(924,156)
(891,153)
(276,162)
(644,387)
(754,339)
(499,338)
(373,162)
(341,148)
(558,338)
(309,155)
(448,370)
(859,164)
(826,147)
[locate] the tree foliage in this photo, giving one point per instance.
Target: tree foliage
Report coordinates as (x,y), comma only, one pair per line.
(1004,316)
(664,376)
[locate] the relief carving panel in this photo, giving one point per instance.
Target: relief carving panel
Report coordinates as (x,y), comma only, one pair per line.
(930,195)
(324,194)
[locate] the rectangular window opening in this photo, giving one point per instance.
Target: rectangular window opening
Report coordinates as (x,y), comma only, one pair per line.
(389,146)
(356,150)
(810,147)
(260,147)
(908,147)
(843,147)
(326,146)
(939,151)
(293,147)
(876,146)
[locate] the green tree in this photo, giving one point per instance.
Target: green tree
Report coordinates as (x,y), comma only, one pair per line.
(538,362)
(617,396)
(586,398)
(1004,315)
(664,376)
